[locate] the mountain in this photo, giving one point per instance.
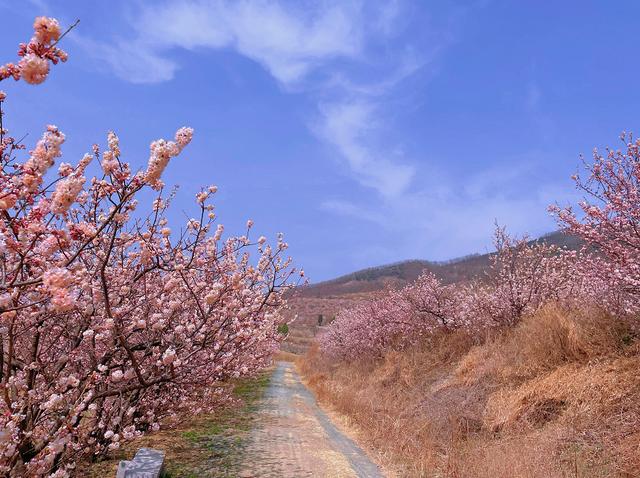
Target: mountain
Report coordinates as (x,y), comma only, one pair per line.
(401,273)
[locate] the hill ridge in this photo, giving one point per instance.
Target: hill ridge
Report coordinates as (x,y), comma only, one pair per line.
(399,273)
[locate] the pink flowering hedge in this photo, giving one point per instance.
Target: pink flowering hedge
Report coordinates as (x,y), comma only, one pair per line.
(523,276)
(109,321)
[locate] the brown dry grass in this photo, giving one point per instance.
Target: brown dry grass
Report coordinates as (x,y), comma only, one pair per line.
(284,356)
(556,396)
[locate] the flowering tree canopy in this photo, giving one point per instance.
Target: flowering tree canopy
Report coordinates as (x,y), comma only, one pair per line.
(109,321)
(522,277)
(610,221)
(525,275)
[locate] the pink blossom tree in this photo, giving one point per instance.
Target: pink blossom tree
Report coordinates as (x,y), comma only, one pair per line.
(432,303)
(370,328)
(609,223)
(522,277)
(109,321)
(395,319)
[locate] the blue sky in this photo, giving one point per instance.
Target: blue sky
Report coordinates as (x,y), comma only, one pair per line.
(367,132)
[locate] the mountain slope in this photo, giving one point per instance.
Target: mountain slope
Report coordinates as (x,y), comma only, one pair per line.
(400,273)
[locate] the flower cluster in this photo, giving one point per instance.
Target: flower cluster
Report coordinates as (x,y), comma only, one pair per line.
(37,54)
(161,152)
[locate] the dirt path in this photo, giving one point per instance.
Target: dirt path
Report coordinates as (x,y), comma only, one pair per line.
(293,438)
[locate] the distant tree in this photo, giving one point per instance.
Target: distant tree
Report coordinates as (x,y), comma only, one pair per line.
(522,277)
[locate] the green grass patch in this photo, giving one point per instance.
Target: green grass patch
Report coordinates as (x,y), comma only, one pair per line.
(204,446)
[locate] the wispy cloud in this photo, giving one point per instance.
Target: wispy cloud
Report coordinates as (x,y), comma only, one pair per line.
(288,41)
(351,127)
(303,46)
(449,217)
(349,209)
(353,94)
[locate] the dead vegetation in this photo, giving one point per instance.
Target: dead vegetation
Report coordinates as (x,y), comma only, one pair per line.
(556,396)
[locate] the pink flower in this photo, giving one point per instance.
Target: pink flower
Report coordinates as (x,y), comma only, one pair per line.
(65,169)
(114,143)
(184,136)
(202,197)
(34,69)
(161,152)
(168,357)
(47,30)
(66,192)
(57,278)
(57,281)
(109,163)
(7,201)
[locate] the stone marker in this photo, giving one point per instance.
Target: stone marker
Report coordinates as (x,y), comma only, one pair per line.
(147,463)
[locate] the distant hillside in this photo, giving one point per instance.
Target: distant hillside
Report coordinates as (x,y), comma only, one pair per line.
(401,273)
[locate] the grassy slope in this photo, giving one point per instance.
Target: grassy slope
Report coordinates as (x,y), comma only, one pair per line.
(556,396)
(204,446)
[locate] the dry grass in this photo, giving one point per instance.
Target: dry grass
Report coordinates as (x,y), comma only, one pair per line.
(284,356)
(556,396)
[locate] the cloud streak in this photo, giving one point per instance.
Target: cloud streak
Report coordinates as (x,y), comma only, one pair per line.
(453,217)
(350,128)
(288,42)
(301,46)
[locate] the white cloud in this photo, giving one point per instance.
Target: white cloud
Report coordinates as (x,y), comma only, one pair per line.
(137,65)
(348,209)
(292,41)
(288,42)
(453,217)
(351,126)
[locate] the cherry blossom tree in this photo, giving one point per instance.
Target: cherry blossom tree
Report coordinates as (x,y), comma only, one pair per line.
(370,328)
(609,222)
(110,322)
(522,277)
(433,304)
(396,319)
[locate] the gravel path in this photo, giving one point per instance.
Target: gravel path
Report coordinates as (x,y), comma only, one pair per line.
(294,438)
